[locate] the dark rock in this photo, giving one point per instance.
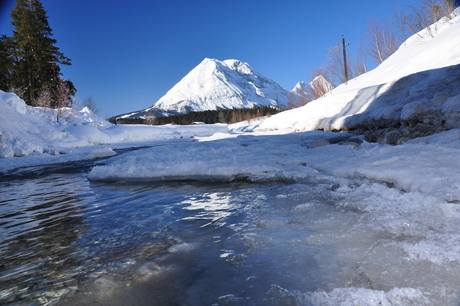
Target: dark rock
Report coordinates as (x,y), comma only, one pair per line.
(319,143)
(391,137)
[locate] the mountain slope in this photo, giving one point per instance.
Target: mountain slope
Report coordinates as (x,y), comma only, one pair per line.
(214,85)
(302,93)
(299,94)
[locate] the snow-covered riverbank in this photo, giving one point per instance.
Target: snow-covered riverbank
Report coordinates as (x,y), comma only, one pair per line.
(407,249)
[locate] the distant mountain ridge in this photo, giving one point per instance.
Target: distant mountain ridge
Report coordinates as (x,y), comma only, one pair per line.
(214,85)
(302,92)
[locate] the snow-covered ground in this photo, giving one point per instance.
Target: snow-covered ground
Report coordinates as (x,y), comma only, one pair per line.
(36,136)
(412,191)
(419,81)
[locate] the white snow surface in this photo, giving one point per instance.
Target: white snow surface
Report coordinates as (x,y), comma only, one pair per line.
(214,85)
(409,194)
(415,80)
(36,134)
(426,165)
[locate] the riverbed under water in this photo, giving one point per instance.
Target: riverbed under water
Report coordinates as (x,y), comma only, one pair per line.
(65,240)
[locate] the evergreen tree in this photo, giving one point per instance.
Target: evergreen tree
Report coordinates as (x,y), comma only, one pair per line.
(5,63)
(36,59)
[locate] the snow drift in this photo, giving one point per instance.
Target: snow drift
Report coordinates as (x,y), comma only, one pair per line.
(26,130)
(419,83)
(22,133)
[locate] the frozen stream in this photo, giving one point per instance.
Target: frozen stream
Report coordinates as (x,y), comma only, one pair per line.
(65,240)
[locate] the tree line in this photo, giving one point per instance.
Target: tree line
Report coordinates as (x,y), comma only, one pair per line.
(208,117)
(30,61)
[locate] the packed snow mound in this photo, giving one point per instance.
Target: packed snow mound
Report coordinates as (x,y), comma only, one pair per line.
(88,117)
(246,158)
(22,133)
(26,130)
(81,135)
(419,83)
(287,158)
(69,116)
(14,102)
(214,85)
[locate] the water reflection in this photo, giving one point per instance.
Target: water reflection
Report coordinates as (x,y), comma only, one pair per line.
(227,245)
(40,221)
(65,240)
(211,208)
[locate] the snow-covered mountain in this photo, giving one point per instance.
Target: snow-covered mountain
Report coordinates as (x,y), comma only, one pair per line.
(302,92)
(299,94)
(214,85)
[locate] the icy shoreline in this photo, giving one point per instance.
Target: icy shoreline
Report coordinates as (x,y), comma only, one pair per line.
(407,250)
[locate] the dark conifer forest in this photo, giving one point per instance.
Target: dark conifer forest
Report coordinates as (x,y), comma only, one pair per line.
(30,61)
(208,117)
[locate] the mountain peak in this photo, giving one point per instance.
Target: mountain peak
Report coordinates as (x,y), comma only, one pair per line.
(239,66)
(214,85)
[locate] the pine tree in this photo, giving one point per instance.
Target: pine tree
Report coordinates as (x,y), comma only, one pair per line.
(6,62)
(36,57)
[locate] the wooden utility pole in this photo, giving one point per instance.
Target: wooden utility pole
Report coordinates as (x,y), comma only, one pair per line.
(345,66)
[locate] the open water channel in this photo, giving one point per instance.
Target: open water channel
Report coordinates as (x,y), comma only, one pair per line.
(67,241)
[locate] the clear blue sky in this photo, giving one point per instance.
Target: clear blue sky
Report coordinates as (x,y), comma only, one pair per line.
(128,54)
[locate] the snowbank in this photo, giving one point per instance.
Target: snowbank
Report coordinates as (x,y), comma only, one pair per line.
(249,158)
(22,133)
(69,116)
(416,82)
(26,130)
(430,165)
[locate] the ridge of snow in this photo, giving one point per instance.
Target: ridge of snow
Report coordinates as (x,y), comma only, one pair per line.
(23,133)
(417,60)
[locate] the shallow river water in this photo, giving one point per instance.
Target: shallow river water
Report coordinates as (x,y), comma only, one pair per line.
(65,240)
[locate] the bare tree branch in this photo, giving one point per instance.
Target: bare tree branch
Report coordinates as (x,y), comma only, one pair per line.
(382,41)
(320,85)
(89,103)
(335,64)
(360,65)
